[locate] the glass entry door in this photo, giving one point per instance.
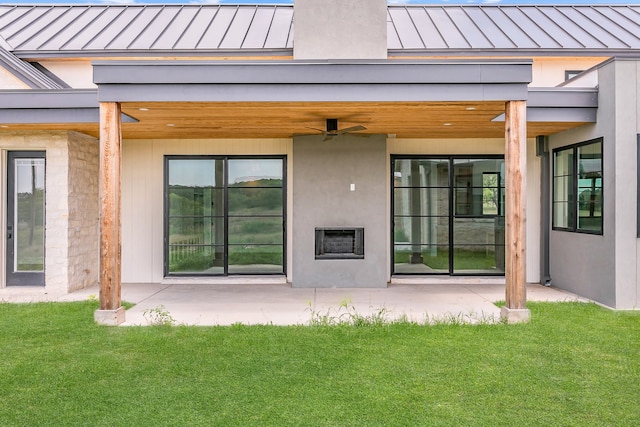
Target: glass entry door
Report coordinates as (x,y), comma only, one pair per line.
(25,218)
(224,215)
(448,215)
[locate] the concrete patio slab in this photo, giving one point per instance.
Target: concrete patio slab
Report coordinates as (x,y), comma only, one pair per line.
(225,303)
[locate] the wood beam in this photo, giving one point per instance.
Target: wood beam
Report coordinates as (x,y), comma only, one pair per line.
(516,182)
(110,252)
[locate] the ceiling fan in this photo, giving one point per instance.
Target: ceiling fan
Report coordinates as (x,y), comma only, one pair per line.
(332,129)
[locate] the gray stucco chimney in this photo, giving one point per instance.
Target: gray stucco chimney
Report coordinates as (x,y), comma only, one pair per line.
(340,29)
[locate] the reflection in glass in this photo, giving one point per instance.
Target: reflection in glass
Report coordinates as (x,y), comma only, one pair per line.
(434,259)
(255,230)
(192,259)
(226,215)
(444,225)
(256,259)
(255,201)
(29,215)
(590,187)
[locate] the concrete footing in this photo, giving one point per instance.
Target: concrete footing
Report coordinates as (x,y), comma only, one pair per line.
(515,315)
(109,317)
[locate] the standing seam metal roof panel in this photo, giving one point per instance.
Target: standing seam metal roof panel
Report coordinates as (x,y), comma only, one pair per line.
(214,35)
(50,24)
(154,29)
(238,29)
(429,34)
(256,36)
(516,34)
(489,28)
(622,25)
(103,28)
(279,33)
(535,32)
(446,27)
(410,38)
(122,21)
(469,29)
(192,35)
(85,36)
(565,22)
(19,33)
(71,31)
(175,28)
(610,34)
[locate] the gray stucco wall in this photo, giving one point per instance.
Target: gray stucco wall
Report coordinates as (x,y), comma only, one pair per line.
(340,29)
(604,268)
(323,172)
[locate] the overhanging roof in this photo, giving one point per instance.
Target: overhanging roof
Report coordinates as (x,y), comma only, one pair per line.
(26,72)
(304,81)
(54,106)
(211,99)
(97,30)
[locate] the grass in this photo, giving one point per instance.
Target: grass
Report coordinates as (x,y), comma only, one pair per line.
(573,365)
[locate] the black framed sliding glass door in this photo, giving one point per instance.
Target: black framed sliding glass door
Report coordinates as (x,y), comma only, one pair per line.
(224,215)
(448,215)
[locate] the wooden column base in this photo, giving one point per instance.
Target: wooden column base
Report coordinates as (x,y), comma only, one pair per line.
(109,317)
(515,315)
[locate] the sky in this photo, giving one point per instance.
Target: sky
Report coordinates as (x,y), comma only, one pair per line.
(441,2)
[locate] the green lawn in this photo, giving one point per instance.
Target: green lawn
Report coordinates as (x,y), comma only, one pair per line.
(574,364)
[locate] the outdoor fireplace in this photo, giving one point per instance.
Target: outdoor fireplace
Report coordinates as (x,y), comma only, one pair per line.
(340,243)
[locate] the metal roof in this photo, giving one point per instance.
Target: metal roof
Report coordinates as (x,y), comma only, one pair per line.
(145,27)
(26,72)
(530,28)
(426,29)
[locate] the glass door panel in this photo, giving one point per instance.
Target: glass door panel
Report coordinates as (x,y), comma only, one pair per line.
(25,218)
(195,216)
(224,215)
(256,216)
(448,215)
(421,216)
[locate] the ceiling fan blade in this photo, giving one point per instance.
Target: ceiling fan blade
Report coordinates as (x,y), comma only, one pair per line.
(351,129)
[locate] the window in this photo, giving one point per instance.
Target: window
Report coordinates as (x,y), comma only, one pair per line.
(448,215)
(224,215)
(569,74)
(577,187)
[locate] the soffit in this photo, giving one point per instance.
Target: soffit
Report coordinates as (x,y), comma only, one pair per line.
(284,120)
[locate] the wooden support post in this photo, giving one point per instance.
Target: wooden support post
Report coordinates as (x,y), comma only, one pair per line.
(110,311)
(515,215)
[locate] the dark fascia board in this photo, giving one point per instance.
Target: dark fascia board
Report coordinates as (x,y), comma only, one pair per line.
(49,98)
(559,104)
(312,72)
(311,93)
(311,81)
(51,106)
(563,97)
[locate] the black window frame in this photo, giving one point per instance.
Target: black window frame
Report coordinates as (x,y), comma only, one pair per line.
(451,215)
(225,186)
(573,203)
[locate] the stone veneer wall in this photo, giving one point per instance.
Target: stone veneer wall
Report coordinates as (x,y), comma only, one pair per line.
(83,208)
(71,236)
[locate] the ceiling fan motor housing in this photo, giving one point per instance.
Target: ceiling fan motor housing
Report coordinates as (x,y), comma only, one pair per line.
(332,125)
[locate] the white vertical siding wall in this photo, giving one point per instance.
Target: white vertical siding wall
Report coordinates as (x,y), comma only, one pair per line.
(142,195)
